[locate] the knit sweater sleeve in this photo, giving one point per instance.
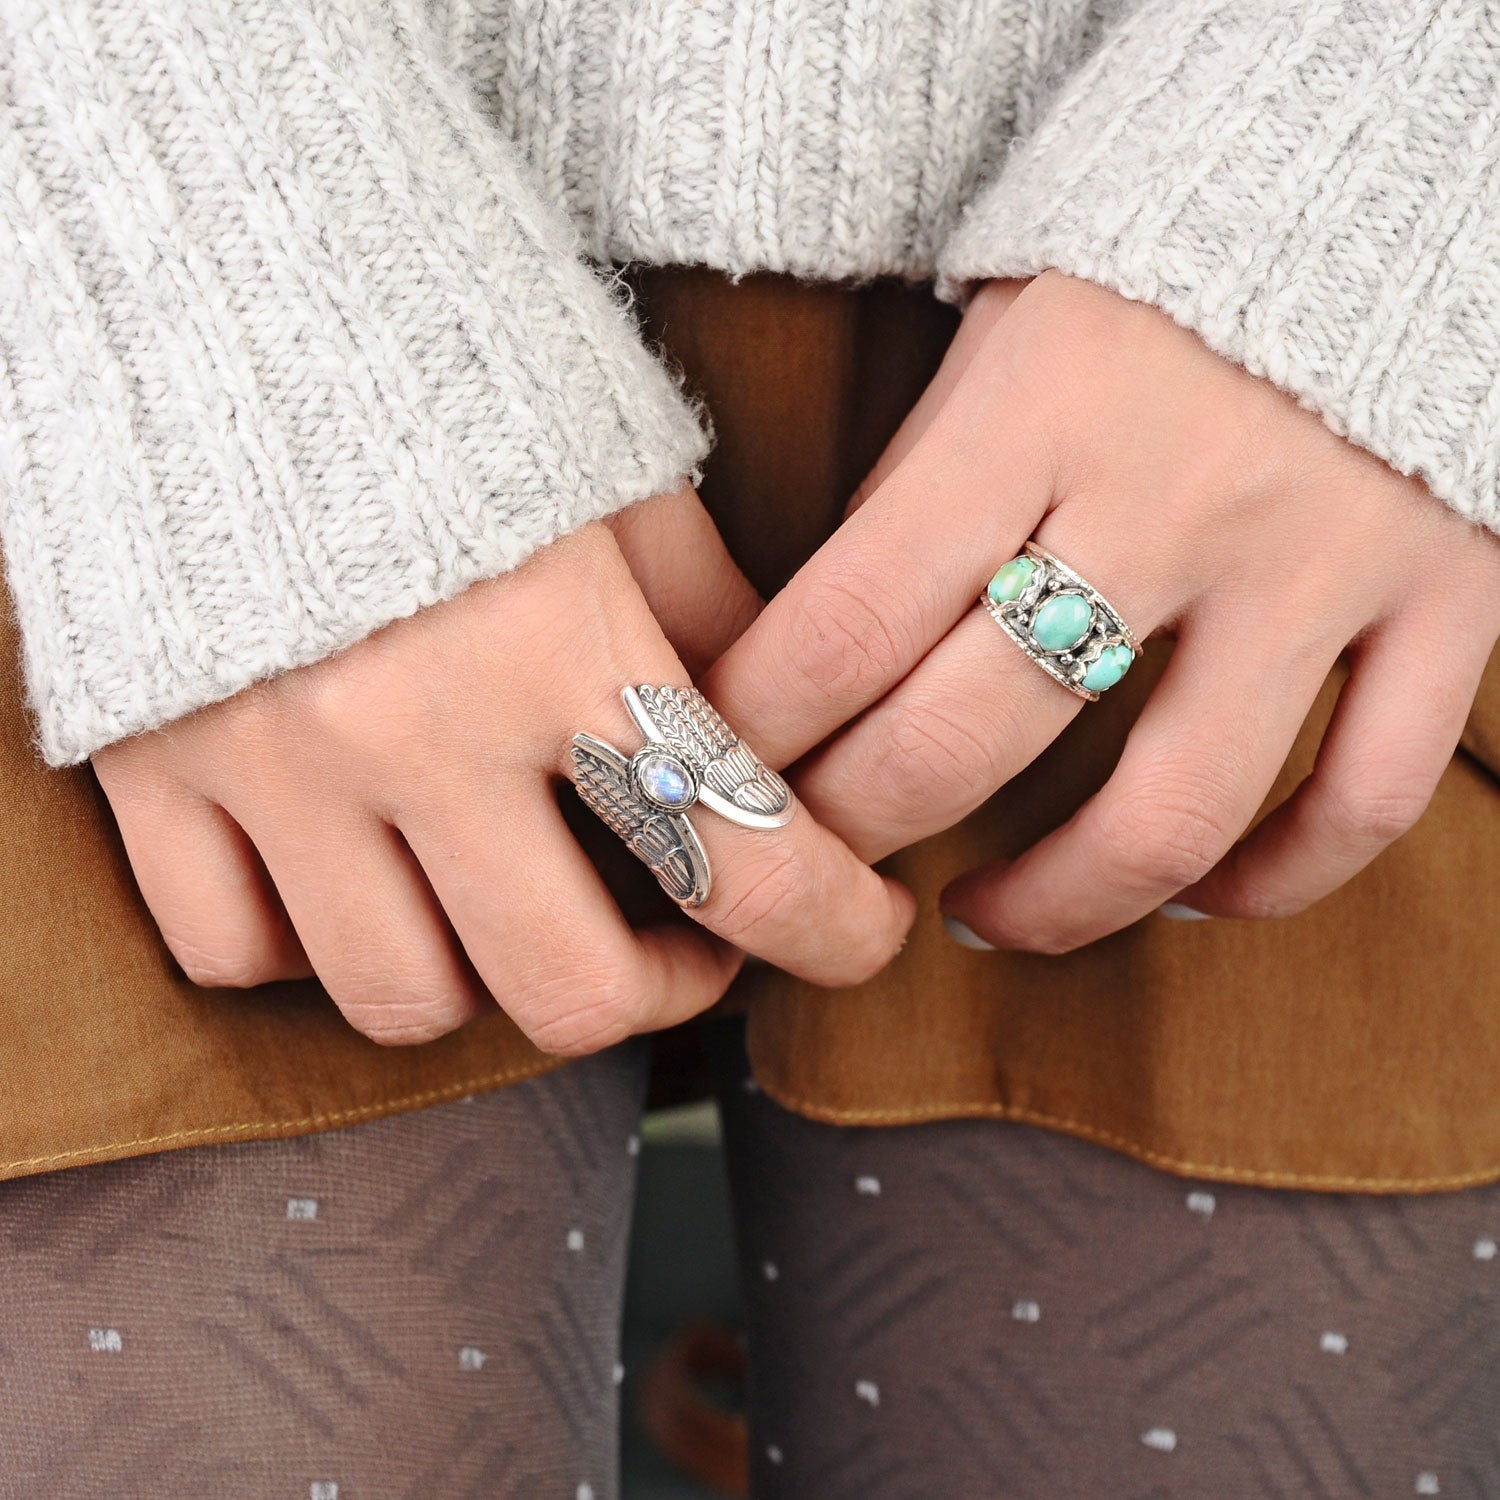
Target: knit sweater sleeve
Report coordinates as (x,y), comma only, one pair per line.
(289,349)
(1312,186)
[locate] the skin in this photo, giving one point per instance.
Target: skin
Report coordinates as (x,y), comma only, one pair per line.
(386,818)
(1208,507)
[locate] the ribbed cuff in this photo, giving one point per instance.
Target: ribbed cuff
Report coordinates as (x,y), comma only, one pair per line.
(289,349)
(1312,186)
(827,139)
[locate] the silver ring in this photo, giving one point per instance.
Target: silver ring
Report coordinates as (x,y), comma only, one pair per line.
(691,756)
(1061,621)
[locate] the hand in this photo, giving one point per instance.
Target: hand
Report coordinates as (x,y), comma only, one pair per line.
(1205,505)
(386,818)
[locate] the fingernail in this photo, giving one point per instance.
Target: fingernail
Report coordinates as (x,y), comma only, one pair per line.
(1179,911)
(966,937)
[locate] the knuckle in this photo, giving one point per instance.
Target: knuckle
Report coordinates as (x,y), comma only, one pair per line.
(1260,900)
(1054,944)
(771,884)
(1165,842)
(362,703)
(222,966)
(1372,812)
(578,1014)
(849,648)
(403,1023)
(572,1011)
(930,753)
(393,1008)
(861,959)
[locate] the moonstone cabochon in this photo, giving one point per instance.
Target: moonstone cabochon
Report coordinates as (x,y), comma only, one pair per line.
(663,779)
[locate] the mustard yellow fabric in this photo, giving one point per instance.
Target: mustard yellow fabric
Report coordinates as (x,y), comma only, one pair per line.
(1356,1046)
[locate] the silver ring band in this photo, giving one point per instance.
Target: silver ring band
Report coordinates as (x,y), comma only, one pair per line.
(1061,621)
(691,756)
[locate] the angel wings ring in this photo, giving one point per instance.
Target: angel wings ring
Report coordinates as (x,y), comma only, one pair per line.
(690,756)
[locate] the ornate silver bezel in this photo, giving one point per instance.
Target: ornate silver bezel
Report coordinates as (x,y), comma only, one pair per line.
(650,749)
(1106,628)
(733,781)
(723,773)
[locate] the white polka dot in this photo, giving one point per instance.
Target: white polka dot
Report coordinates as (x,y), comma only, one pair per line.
(869,1186)
(302,1208)
(633,1146)
(749,1085)
(323,1489)
(774,1454)
(1202,1203)
(1485,1249)
(867,1391)
(1163,1439)
(1427,1483)
(1334,1343)
(575,1239)
(618,1373)
(585,1492)
(1026,1311)
(470,1358)
(105,1340)
(770,1270)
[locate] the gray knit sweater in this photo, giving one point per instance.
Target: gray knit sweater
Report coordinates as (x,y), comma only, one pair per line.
(298,332)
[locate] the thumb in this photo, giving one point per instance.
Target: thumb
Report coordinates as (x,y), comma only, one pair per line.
(701,600)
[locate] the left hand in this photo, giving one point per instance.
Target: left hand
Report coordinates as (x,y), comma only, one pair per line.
(1205,504)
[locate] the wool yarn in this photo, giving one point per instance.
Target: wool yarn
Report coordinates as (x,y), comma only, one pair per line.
(299,331)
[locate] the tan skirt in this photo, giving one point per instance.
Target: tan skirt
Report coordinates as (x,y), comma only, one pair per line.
(1354,1046)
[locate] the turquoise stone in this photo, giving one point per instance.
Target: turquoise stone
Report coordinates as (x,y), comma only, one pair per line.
(1010,582)
(663,779)
(1062,622)
(1113,663)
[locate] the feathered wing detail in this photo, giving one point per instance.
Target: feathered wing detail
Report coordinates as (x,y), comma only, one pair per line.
(686,721)
(663,841)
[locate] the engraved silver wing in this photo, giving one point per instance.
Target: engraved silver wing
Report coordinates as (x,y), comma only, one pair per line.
(734,781)
(663,841)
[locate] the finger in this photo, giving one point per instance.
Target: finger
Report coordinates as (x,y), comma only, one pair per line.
(701,600)
(990,304)
(973,713)
(897,575)
(207,888)
(795,896)
(546,936)
(372,928)
(1197,765)
(1375,773)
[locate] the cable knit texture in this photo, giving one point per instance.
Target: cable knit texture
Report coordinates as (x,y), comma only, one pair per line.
(289,348)
(295,337)
(1313,186)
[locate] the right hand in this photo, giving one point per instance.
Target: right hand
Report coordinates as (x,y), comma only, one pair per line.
(385,818)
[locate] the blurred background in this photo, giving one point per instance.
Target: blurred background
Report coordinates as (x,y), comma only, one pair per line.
(682,1274)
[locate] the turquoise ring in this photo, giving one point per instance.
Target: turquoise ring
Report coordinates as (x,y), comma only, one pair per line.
(1063,623)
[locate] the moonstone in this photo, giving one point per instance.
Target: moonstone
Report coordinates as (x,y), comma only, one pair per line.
(1062,621)
(1113,663)
(663,779)
(1010,582)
